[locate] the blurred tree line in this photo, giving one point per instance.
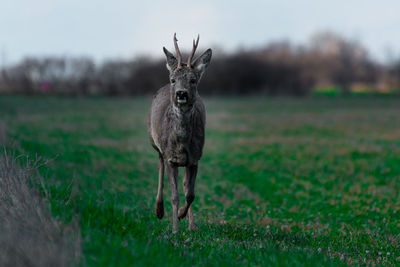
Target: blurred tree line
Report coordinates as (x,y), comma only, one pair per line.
(327,61)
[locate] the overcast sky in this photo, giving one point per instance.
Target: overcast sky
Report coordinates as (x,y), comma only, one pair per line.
(105,29)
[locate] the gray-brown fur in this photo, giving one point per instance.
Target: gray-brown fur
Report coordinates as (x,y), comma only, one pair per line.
(176,130)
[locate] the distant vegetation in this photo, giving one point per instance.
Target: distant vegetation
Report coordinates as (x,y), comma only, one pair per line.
(327,61)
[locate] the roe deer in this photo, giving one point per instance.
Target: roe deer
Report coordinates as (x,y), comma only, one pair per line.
(176,129)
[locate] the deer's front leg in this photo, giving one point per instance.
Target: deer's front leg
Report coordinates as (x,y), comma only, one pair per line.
(160,197)
(172,173)
(189,180)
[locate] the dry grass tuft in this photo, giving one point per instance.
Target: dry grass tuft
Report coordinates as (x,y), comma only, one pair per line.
(2,132)
(29,236)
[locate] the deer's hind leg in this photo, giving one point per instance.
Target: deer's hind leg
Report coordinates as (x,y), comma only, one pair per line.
(160,197)
(189,180)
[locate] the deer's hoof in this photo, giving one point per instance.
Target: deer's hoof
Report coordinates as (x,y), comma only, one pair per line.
(192,227)
(182,213)
(175,231)
(160,209)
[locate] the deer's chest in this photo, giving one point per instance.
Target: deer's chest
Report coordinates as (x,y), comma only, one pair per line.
(181,132)
(178,144)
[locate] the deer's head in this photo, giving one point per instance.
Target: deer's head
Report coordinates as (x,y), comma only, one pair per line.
(185,78)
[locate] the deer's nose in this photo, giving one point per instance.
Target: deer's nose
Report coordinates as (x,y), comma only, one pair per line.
(181,94)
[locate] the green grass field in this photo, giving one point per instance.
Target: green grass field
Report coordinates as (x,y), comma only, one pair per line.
(298,182)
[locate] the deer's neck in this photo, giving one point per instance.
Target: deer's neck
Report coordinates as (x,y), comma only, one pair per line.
(181,123)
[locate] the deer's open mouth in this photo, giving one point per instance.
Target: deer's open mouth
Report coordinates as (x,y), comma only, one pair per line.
(182,97)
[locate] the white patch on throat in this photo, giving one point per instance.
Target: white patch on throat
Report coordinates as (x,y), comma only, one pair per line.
(177,111)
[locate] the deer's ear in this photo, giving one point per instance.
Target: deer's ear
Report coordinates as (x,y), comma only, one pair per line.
(201,63)
(172,62)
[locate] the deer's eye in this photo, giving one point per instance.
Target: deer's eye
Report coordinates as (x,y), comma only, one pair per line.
(193,81)
(172,81)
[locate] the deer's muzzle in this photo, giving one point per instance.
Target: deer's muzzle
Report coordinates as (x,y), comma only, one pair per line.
(182,97)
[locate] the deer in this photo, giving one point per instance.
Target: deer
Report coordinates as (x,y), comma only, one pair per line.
(176,127)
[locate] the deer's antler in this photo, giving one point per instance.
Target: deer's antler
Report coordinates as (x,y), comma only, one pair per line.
(178,53)
(195,44)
